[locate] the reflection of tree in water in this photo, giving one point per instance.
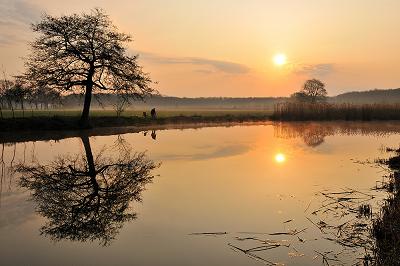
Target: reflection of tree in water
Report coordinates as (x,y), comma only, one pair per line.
(313,138)
(2,170)
(86,197)
(312,134)
(7,170)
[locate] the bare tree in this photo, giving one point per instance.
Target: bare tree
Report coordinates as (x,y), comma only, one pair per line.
(314,89)
(85,52)
(44,96)
(3,88)
(20,93)
(120,104)
(8,93)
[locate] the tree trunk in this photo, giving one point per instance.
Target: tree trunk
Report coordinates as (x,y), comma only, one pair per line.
(84,122)
(86,107)
(23,108)
(12,108)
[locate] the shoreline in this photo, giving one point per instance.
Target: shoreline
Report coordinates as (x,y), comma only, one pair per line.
(56,128)
(344,127)
(68,123)
(57,123)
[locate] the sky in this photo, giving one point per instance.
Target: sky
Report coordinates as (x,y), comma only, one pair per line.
(226,47)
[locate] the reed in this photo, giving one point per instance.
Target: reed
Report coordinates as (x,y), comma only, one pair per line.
(300,111)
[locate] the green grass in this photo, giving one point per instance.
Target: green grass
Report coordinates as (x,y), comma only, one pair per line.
(69,119)
(130,113)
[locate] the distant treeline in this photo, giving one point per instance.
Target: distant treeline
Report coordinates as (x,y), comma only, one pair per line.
(263,103)
(371,96)
(168,102)
(51,99)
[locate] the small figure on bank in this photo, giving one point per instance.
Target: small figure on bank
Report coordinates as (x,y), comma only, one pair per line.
(153,113)
(144,114)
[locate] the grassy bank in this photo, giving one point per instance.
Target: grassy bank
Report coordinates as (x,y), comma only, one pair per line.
(130,112)
(292,111)
(69,121)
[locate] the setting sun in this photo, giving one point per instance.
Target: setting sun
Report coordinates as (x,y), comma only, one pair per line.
(280,157)
(279,59)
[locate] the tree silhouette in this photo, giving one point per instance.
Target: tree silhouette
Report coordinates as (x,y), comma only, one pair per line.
(86,198)
(7,94)
(20,93)
(314,89)
(84,52)
(44,96)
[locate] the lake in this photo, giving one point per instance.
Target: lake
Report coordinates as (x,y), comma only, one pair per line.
(247,194)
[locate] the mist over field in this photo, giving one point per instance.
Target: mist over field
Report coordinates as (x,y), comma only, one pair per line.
(381,96)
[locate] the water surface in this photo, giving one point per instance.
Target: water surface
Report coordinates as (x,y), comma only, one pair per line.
(243,183)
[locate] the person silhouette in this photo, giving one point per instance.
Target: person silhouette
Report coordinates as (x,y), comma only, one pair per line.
(153,113)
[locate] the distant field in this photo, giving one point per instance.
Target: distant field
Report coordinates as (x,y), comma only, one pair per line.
(130,113)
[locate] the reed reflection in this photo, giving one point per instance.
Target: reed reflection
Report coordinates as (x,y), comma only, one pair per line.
(86,197)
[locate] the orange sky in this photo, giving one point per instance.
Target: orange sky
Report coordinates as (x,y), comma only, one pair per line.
(225,47)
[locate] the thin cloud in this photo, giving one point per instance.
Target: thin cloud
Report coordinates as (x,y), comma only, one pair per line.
(18,12)
(219,65)
(221,152)
(316,70)
(15,18)
(204,71)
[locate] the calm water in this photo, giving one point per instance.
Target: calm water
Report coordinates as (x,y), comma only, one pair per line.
(247,183)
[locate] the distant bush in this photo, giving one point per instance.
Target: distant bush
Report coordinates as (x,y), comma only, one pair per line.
(313,91)
(297,111)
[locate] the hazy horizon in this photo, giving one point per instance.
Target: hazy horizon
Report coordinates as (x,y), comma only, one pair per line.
(226,48)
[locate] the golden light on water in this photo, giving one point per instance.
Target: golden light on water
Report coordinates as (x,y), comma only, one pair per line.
(280,158)
(280,59)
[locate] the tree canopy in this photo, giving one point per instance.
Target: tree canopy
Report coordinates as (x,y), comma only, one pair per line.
(84,53)
(314,89)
